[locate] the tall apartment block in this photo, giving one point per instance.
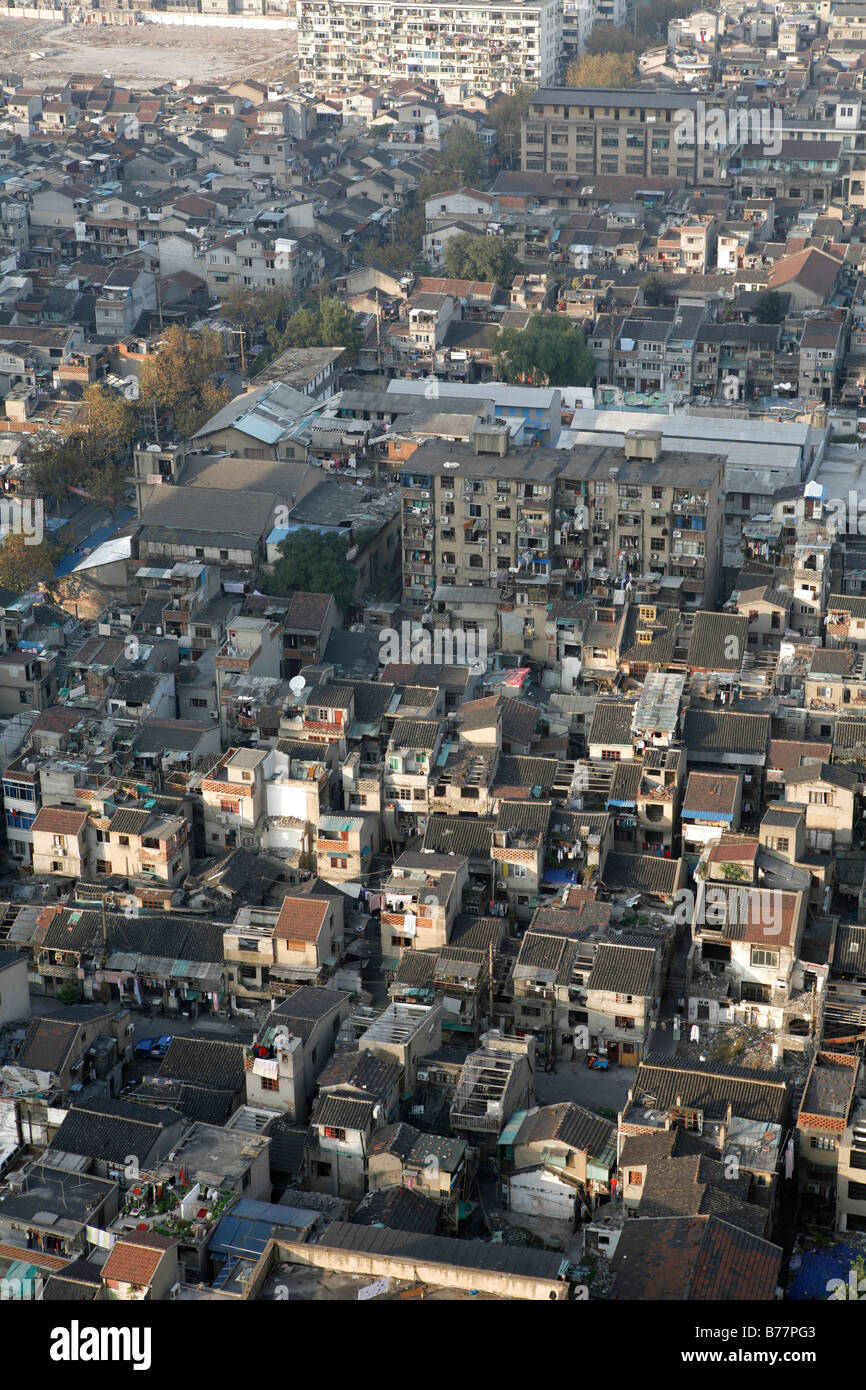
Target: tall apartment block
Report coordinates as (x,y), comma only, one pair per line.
(491,46)
(601,130)
(575,522)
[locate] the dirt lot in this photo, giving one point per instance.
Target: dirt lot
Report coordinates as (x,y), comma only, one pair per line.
(147,55)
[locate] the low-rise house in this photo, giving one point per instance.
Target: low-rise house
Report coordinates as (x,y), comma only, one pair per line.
(495,1080)
(141,1265)
(575,1144)
(826,1111)
(429,1164)
(281,1066)
(622,995)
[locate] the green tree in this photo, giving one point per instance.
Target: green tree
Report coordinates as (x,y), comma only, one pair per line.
(402,245)
(314,561)
(550,351)
(70,993)
(328,323)
(469,257)
(768,307)
(109,426)
(462,157)
(506,116)
(23,566)
(602,70)
(253,309)
(609,38)
(179,377)
(653,289)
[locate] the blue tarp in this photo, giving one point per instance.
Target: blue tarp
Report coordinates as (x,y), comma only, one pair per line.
(559,876)
(818,1267)
(68,563)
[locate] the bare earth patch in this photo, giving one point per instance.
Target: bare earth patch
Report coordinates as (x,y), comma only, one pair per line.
(149,54)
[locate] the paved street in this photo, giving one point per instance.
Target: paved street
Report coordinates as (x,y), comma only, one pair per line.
(574,1081)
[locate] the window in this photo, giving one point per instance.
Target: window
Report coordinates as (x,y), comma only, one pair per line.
(269,1083)
(635,1177)
(760,956)
(338,863)
(331,1133)
(232,806)
(821,798)
(822,1141)
(611,755)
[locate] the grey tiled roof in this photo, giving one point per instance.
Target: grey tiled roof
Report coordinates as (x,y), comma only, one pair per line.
(622,970)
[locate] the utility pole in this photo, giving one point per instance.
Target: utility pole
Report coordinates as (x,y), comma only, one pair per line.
(490,983)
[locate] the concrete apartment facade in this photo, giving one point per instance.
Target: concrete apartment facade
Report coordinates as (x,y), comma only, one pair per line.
(598,130)
(503,45)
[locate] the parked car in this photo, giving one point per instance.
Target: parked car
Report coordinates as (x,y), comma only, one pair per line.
(145,1047)
(161,1045)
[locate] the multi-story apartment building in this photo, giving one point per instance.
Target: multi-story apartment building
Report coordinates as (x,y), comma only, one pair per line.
(654,350)
(492,46)
(578,521)
(601,130)
(233,799)
(247,262)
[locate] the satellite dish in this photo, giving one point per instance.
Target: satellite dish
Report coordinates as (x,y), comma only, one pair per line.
(297,684)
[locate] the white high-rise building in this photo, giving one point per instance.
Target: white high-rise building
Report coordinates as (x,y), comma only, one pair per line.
(578,17)
(491,46)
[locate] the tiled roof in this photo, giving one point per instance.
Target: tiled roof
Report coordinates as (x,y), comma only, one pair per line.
(724,731)
(784,753)
(126,822)
(525,771)
(311,1003)
(695,1258)
(204,1062)
(642,873)
(301,919)
(568,1124)
(47,1044)
(611,723)
(398,1209)
(113,1129)
(469,835)
(415,733)
(59,822)
(849,952)
(718,642)
(622,970)
(752,1095)
(307,612)
(342,1112)
(136,1258)
(711,792)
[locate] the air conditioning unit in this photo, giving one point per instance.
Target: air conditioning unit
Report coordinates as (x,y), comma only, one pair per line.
(655,506)
(678,506)
(449,494)
(501,884)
